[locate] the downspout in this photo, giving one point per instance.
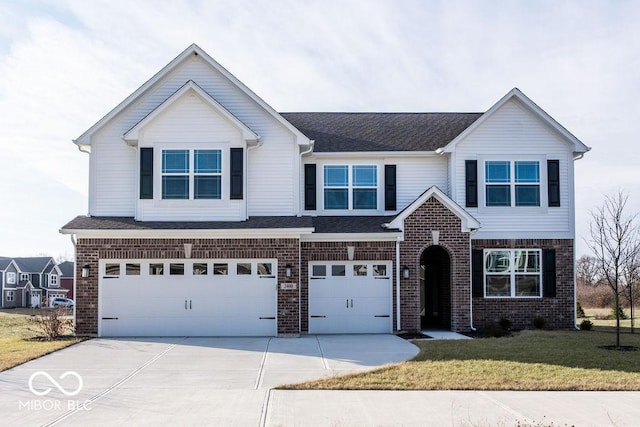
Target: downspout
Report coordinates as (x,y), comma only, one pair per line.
(246,179)
(75,279)
(398,284)
(471,282)
(300,209)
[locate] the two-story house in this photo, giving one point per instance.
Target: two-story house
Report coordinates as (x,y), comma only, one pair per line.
(212,214)
(30,281)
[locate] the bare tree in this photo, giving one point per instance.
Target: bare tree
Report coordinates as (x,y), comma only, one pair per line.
(614,241)
(588,271)
(631,286)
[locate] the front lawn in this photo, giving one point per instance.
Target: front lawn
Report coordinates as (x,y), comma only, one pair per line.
(529,360)
(19,341)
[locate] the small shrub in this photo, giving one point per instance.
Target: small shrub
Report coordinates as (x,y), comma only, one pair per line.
(580,312)
(539,322)
(612,316)
(505,324)
(52,323)
(586,325)
(496,330)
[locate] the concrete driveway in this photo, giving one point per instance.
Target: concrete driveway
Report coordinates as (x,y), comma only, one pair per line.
(185,381)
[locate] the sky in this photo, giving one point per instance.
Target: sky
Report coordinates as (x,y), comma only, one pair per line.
(64,64)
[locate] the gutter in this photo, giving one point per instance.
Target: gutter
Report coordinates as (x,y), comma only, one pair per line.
(398,284)
(301,174)
(246,178)
(471,282)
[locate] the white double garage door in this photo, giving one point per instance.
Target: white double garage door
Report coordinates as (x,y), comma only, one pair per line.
(236,298)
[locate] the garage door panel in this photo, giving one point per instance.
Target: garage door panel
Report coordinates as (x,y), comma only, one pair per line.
(187,304)
(357,302)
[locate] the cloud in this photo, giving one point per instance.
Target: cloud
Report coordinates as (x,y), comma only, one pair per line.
(64,64)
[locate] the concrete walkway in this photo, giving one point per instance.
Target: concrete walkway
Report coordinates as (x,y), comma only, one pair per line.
(228,381)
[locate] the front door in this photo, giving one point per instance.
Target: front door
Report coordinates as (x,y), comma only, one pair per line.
(435,288)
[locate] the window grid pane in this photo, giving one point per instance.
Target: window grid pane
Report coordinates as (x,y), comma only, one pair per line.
(527,195)
(365,176)
(207,161)
(364,198)
(175,161)
(175,187)
(319,270)
(527,172)
(498,195)
(336,198)
(336,176)
(207,187)
(497,172)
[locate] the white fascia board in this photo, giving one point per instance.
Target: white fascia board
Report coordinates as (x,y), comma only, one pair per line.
(351,237)
(578,146)
(376,154)
(85,138)
(504,235)
(132,135)
(259,233)
(467,221)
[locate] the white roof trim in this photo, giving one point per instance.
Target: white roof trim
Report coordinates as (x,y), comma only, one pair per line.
(351,237)
(578,146)
(132,135)
(84,140)
(469,223)
(15,265)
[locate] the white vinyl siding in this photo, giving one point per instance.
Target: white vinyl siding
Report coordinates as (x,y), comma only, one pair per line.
(113,170)
(513,133)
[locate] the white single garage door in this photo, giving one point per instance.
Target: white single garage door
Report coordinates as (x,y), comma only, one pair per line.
(187,298)
(350,297)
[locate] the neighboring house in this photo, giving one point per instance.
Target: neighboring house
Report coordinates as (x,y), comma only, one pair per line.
(212,214)
(30,281)
(66,280)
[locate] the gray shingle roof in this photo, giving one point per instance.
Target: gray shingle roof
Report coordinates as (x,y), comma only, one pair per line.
(32,264)
(128,223)
(322,224)
(351,224)
(4,263)
(344,132)
(66,268)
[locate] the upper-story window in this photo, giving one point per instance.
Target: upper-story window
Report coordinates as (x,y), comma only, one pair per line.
(350,187)
(53,280)
(191,174)
(510,183)
(24,276)
(11,278)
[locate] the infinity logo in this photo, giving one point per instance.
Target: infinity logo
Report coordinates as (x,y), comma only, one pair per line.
(55,383)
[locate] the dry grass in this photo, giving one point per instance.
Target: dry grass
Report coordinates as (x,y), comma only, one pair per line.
(530,360)
(18,339)
(598,317)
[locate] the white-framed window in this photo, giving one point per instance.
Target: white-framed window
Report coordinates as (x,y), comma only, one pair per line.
(53,280)
(11,278)
(10,296)
(350,187)
(512,183)
(512,273)
(24,276)
(191,174)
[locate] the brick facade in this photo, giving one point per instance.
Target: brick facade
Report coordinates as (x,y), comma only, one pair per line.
(559,312)
(418,227)
(90,251)
(337,251)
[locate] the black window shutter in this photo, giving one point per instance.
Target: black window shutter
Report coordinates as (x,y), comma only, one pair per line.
(553,182)
(236,171)
(146,173)
(310,187)
(477,273)
(471,183)
(549,273)
(390,187)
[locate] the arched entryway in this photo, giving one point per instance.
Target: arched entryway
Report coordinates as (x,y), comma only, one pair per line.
(435,288)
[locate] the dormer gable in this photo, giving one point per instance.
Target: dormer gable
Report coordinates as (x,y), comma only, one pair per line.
(190,89)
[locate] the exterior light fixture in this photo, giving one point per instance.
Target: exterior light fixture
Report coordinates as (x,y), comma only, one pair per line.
(405,272)
(288,270)
(85,270)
